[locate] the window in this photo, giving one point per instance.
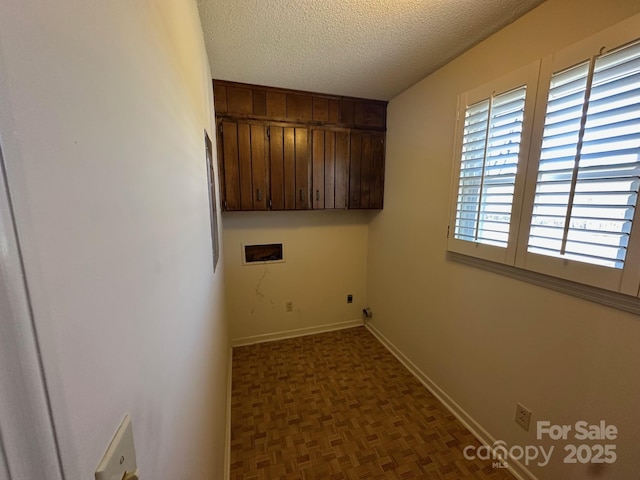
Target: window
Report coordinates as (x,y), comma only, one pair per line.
(494,127)
(490,148)
(579,165)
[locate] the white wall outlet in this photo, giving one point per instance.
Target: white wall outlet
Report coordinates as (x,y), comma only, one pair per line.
(289,306)
(523,416)
(119,461)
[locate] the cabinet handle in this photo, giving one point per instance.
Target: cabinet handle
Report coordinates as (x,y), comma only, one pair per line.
(318,195)
(259,195)
(301,195)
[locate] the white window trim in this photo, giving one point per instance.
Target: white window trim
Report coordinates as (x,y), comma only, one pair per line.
(625,280)
(547,271)
(616,300)
(525,76)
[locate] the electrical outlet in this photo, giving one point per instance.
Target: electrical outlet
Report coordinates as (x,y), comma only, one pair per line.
(289,306)
(349,298)
(523,416)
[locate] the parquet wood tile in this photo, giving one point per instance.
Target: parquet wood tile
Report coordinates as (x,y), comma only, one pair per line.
(339,406)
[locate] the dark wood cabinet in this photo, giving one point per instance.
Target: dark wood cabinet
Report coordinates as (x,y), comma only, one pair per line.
(282,105)
(366,176)
(330,176)
(289,167)
(244,165)
(282,149)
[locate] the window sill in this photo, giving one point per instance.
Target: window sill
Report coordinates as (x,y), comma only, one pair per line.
(620,301)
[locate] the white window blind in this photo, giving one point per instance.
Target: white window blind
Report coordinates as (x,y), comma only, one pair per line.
(491,141)
(589,168)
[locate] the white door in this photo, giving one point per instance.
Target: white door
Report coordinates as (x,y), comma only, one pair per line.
(27,441)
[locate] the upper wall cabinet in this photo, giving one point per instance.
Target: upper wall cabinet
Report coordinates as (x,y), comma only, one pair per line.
(366,179)
(289,167)
(245,164)
(289,150)
(330,168)
(249,101)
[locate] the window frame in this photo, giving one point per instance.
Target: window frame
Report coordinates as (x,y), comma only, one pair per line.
(625,280)
(526,76)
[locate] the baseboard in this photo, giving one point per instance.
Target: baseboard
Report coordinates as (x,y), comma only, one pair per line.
(515,467)
(300,332)
(227,443)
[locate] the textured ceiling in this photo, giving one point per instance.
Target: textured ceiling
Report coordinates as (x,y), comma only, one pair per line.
(363,48)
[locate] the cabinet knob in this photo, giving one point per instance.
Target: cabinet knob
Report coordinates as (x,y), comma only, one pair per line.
(259,195)
(301,195)
(318,195)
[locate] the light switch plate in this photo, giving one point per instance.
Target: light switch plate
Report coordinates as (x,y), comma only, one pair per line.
(120,457)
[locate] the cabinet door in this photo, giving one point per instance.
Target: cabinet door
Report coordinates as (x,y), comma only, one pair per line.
(289,168)
(366,179)
(245,166)
(376,171)
(230,165)
(303,173)
(259,167)
(330,175)
(341,182)
(321,160)
(355,168)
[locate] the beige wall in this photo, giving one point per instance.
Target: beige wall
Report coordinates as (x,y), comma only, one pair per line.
(489,341)
(103,110)
(325,259)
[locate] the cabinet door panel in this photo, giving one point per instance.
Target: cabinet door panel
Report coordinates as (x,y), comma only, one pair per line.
(366,179)
(276,157)
(259,167)
(220,98)
(318,160)
(259,102)
(299,108)
(320,109)
(239,100)
(334,111)
(365,171)
(377,172)
(369,114)
(329,169)
(289,168)
(355,169)
(230,165)
(244,166)
(347,111)
(302,168)
(342,170)
(276,104)
(330,175)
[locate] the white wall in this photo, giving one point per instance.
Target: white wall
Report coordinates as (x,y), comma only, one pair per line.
(325,260)
(487,340)
(103,110)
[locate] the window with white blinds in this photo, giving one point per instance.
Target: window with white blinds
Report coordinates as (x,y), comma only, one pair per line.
(589,169)
(489,161)
(555,180)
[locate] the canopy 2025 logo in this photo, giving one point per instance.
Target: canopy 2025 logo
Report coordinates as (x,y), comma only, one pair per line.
(581,431)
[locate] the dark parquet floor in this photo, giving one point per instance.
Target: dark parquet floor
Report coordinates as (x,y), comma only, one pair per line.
(338,406)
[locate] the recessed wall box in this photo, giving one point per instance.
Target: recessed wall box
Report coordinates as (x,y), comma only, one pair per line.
(263,253)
